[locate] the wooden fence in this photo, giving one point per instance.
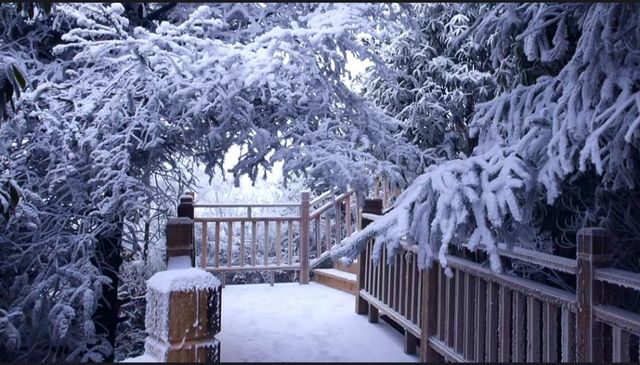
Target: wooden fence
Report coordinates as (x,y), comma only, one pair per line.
(301,240)
(481,316)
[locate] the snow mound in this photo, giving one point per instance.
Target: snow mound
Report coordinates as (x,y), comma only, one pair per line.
(141,358)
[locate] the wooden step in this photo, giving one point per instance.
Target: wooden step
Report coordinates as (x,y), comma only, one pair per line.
(339,265)
(336,279)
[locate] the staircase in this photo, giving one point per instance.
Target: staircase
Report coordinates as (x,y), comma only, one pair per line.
(340,276)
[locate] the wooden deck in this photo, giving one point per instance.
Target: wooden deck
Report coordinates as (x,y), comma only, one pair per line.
(302,323)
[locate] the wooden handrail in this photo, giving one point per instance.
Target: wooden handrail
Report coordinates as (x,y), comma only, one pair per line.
(245,219)
(320,197)
(618,277)
(330,204)
(241,205)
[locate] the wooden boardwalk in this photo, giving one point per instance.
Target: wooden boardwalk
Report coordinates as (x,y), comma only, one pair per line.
(302,323)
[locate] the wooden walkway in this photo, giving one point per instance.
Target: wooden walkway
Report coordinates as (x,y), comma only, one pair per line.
(302,323)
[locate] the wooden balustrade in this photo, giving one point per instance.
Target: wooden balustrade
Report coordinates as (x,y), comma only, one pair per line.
(482,316)
(320,221)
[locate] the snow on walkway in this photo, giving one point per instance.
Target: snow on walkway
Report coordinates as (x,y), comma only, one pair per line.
(289,322)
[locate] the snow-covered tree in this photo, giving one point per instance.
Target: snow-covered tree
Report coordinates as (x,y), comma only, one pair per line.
(567,108)
(121,100)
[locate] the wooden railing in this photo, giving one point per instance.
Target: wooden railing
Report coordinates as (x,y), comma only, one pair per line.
(333,218)
(382,189)
(483,316)
(300,241)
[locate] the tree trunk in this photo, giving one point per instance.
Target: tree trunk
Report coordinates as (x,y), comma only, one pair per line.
(108,260)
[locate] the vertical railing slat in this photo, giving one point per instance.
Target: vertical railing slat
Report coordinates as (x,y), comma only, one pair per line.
(518,345)
(338,223)
(449,312)
(403,286)
(533,330)
(491,341)
(266,243)
(458,317)
(290,241)
(412,287)
(480,318)
(393,287)
(278,248)
(419,304)
(369,282)
(347,213)
(327,231)
(441,304)
(304,237)
(229,243)
(242,233)
(383,274)
(620,339)
(317,236)
(549,332)
(254,232)
(469,298)
(568,333)
(217,247)
(204,253)
(416,288)
(504,327)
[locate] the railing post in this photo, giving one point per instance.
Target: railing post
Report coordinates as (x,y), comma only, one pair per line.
(373,206)
(179,238)
(183,315)
(304,237)
(186,209)
(592,252)
(429,313)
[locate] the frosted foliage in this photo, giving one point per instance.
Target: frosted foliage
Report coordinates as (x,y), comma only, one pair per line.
(124,99)
(276,87)
(532,136)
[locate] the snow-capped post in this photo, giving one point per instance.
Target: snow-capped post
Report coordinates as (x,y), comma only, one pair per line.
(186,209)
(373,206)
(304,237)
(592,252)
(183,315)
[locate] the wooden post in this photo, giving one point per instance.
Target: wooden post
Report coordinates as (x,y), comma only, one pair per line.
(304,237)
(181,324)
(429,313)
(179,234)
(186,209)
(593,247)
(373,206)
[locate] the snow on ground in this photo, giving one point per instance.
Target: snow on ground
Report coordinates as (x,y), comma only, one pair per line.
(141,358)
(290,322)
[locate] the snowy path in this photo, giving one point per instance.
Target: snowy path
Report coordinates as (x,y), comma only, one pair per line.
(302,323)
